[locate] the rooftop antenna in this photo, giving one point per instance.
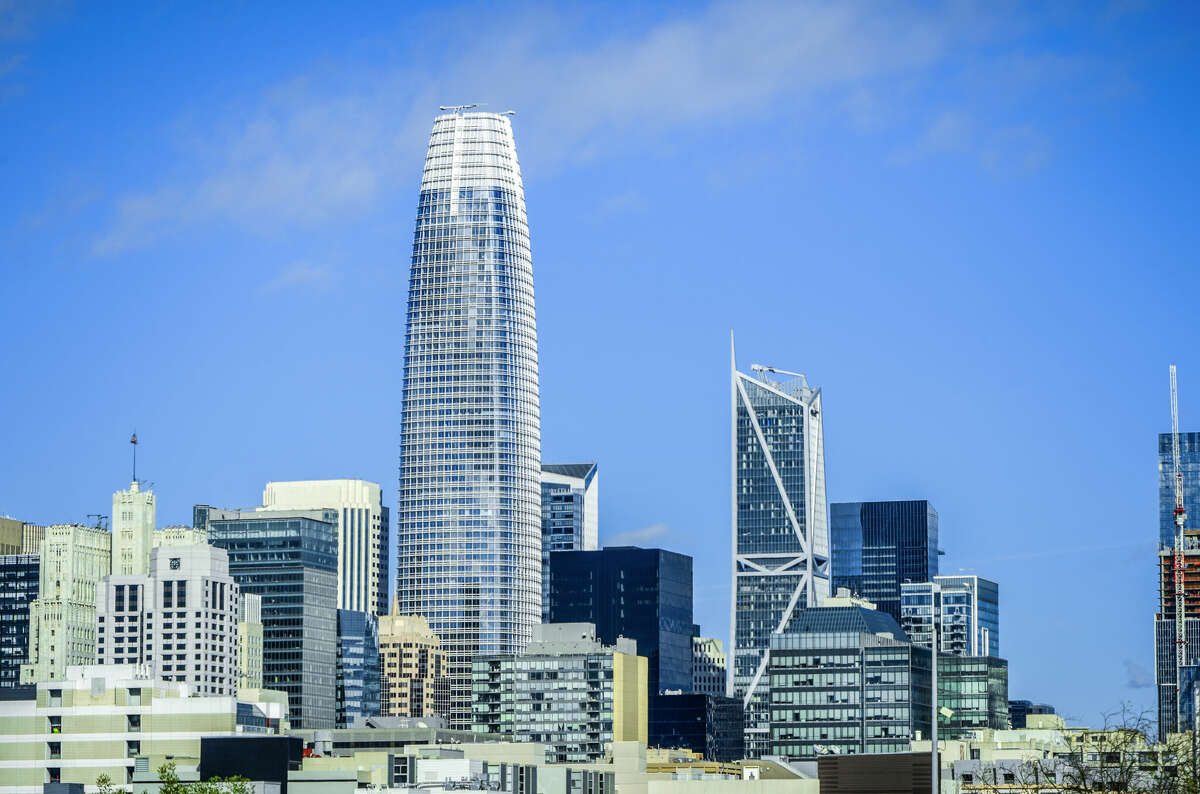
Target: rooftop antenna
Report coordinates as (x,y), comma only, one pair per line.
(101,520)
(133,441)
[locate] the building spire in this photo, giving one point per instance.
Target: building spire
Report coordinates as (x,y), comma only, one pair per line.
(133,441)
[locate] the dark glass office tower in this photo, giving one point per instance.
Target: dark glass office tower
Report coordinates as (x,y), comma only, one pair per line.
(711,725)
(642,594)
(18,588)
(290,559)
(879,545)
(358,682)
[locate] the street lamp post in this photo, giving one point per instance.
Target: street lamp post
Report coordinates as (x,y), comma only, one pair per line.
(934,591)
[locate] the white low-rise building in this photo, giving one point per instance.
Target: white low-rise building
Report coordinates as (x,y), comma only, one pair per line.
(111,719)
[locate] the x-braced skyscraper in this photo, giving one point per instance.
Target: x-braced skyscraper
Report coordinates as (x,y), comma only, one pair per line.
(780,527)
(469,523)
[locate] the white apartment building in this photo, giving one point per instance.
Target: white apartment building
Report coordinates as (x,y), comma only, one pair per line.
(362,532)
(181,619)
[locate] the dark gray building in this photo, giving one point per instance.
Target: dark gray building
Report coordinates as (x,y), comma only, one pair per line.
(846,680)
(18,588)
(290,559)
(358,680)
(879,545)
(625,591)
(1019,711)
(707,724)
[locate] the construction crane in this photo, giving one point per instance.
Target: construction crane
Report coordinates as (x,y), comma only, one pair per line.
(1180,518)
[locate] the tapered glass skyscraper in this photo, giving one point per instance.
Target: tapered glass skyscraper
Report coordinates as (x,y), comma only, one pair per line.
(469,528)
(780,527)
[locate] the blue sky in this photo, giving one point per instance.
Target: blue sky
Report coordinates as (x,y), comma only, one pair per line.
(973,225)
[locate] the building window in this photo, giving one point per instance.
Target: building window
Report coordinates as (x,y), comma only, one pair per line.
(134,723)
(53,774)
(55,724)
(133,747)
(54,750)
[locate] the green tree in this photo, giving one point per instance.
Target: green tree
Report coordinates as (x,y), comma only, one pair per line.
(169,783)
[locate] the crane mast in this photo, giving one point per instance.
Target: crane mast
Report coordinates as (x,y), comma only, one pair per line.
(1178,562)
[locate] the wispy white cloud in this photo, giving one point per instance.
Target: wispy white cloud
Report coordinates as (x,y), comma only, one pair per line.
(949,131)
(302,274)
(333,143)
(637,537)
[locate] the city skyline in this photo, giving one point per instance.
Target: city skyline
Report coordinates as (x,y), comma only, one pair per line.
(1001,263)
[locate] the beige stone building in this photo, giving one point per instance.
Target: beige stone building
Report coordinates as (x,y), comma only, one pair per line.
(412,666)
(62,620)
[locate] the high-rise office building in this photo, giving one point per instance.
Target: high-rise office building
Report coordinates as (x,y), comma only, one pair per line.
(62,620)
(357,666)
(967,609)
(363,532)
(133,518)
(1172,707)
(1189,465)
(469,523)
(879,545)
(570,514)
(250,642)
(19,577)
(625,591)
(780,530)
(845,679)
(568,690)
(180,619)
(708,666)
(413,667)
(289,559)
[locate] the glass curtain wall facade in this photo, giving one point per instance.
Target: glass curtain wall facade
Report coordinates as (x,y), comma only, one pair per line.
(975,690)
(642,594)
(967,610)
(847,682)
(290,560)
(1189,464)
(879,545)
(19,575)
(358,682)
(780,528)
(469,521)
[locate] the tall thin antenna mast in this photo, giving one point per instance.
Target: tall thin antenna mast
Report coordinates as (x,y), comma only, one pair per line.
(133,441)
